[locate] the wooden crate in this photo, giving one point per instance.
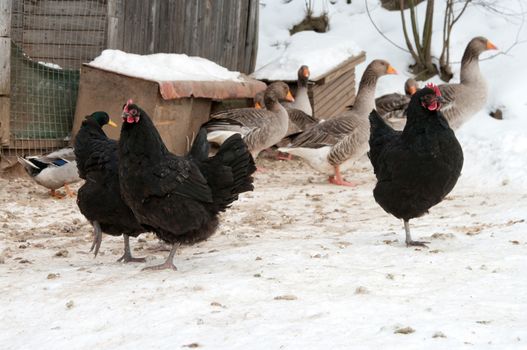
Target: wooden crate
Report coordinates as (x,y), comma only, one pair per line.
(331,92)
(177,108)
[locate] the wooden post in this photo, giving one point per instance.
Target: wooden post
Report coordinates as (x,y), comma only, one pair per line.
(115,36)
(5,70)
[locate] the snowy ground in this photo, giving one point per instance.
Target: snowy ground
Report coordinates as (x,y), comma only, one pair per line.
(297,264)
(300,264)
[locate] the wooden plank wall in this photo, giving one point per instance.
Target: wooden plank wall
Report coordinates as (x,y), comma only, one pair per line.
(224,31)
(5,70)
(64,32)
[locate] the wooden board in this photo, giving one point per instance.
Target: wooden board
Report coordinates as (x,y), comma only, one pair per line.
(342,68)
(4,120)
(67,23)
(64,7)
(5,18)
(5,66)
(57,37)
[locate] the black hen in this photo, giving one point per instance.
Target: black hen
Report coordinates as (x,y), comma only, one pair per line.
(99,199)
(179,197)
(418,167)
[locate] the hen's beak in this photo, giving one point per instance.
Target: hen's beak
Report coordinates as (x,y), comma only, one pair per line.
(257,105)
(289,97)
(112,123)
(390,70)
(491,46)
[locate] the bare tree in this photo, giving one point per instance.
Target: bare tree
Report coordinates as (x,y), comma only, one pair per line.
(445,71)
(419,47)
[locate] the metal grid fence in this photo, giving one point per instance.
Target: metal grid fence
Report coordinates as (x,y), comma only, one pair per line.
(50,41)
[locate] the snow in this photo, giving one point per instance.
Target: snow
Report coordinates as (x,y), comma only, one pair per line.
(494,149)
(50,65)
(298,263)
(163,67)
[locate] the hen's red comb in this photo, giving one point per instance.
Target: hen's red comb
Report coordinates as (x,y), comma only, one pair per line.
(435,88)
(128,103)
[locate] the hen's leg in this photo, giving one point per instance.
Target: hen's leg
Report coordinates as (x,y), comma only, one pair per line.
(169,263)
(409,241)
(338,180)
(127,256)
(97,238)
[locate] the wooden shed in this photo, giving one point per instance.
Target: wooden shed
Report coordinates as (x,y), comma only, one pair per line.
(177,108)
(332,91)
(44,43)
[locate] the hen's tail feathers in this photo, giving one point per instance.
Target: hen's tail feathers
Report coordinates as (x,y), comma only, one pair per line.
(200,146)
(229,172)
(378,127)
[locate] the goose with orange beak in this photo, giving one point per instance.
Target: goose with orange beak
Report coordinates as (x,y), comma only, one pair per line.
(464,99)
(332,146)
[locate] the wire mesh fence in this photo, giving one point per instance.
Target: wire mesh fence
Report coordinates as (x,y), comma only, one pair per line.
(50,39)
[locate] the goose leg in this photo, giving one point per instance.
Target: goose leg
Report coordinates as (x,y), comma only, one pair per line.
(127,256)
(283,156)
(409,241)
(338,180)
(97,238)
(169,263)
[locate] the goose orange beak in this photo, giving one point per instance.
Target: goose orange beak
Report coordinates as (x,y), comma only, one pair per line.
(112,123)
(257,105)
(412,89)
(491,46)
(306,72)
(390,70)
(289,97)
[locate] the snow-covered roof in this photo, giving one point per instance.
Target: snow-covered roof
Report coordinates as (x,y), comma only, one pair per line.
(179,75)
(321,52)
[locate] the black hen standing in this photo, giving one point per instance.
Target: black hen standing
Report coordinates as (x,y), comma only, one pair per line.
(418,167)
(99,199)
(179,197)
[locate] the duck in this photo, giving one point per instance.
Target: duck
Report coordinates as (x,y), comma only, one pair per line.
(259,128)
(332,146)
(469,96)
(301,96)
(53,171)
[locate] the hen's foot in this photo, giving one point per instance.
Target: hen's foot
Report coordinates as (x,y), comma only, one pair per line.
(417,244)
(164,266)
(126,258)
(168,264)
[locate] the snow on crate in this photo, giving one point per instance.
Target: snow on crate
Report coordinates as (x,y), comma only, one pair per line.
(163,67)
(320,52)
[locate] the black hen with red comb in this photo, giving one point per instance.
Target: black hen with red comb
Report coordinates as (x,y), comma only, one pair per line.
(418,167)
(179,198)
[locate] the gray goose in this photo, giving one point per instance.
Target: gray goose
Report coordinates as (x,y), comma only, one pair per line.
(260,128)
(393,105)
(301,97)
(333,145)
(298,119)
(469,96)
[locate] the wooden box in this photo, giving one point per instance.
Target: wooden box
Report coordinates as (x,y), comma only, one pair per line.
(177,108)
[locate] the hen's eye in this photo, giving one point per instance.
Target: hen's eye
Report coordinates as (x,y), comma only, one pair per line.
(133,111)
